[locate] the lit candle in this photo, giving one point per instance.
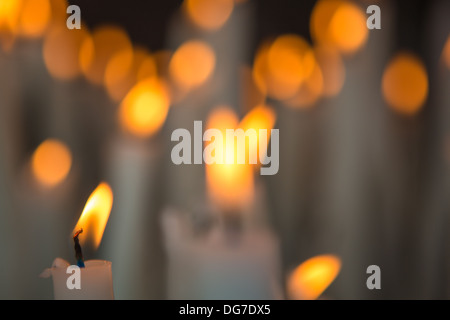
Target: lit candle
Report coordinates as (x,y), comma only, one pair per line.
(132,167)
(95,276)
(238,258)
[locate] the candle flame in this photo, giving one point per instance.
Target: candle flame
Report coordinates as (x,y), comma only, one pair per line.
(95,215)
(310,279)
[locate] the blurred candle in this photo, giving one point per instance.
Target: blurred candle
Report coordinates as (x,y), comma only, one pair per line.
(132,241)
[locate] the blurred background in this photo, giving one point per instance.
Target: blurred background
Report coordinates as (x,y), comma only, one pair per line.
(364,146)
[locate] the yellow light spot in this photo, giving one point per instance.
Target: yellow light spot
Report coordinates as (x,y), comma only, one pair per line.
(340,24)
(97,51)
(192,64)
(309,280)
(260,117)
(144,109)
(288,65)
(61,50)
(95,215)
(321,16)
(34,18)
(207,14)
(230,185)
(348,28)
(9,21)
(51,162)
(405,83)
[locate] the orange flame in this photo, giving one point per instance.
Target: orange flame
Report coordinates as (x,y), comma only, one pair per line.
(310,279)
(95,215)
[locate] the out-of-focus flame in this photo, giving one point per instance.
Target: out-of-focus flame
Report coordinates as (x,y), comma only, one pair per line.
(192,64)
(144,109)
(126,69)
(9,20)
(309,280)
(348,28)
(95,215)
(333,70)
(51,162)
(283,66)
(260,117)
(207,14)
(446,53)
(339,23)
(405,83)
(34,18)
(61,51)
(230,185)
(96,51)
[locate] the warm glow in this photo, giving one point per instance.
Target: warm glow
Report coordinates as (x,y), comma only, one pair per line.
(230,185)
(309,92)
(405,83)
(97,51)
(320,20)
(309,280)
(192,64)
(290,62)
(207,14)
(260,117)
(144,109)
(348,28)
(333,70)
(9,18)
(95,215)
(446,53)
(61,50)
(51,162)
(280,68)
(340,24)
(34,18)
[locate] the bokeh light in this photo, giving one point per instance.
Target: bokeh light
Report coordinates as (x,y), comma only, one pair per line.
(96,51)
(405,83)
(340,24)
(51,162)
(144,109)
(207,14)
(281,67)
(310,279)
(61,51)
(192,64)
(34,18)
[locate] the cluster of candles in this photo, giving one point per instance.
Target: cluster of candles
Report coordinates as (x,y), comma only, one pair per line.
(287,69)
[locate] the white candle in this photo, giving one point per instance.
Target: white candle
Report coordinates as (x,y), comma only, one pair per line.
(95,280)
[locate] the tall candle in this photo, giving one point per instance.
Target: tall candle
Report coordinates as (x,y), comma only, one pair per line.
(132,241)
